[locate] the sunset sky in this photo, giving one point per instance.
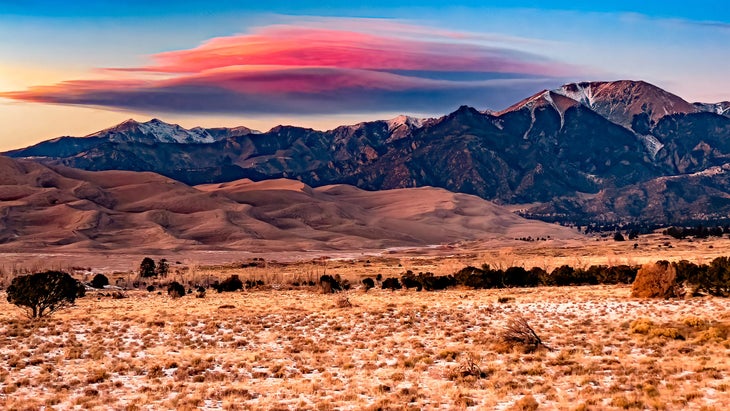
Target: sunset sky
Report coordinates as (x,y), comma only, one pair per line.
(72,68)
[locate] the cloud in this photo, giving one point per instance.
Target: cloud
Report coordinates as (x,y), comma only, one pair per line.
(304,69)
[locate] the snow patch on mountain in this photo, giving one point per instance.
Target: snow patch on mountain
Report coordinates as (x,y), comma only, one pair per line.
(652,144)
(173,133)
(580,92)
(722,108)
(403,120)
(158,131)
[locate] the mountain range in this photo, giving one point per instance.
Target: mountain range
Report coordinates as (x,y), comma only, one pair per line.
(622,151)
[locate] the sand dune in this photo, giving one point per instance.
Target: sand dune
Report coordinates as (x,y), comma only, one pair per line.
(64,210)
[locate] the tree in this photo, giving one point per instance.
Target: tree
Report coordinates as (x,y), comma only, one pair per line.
(618,237)
(44,293)
(147,268)
(717,279)
(163,268)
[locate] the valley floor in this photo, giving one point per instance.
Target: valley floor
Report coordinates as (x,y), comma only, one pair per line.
(299,349)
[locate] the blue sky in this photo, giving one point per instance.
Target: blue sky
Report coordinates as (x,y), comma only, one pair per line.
(324,63)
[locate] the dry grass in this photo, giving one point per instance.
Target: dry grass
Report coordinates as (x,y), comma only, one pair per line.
(284,347)
(297,349)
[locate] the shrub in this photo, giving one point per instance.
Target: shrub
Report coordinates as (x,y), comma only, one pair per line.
(330,284)
(163,268)
(200,292)
(519,277)
(666,332)
(368,283)
(147,268)
(343,302)
(563,275)
(526,403)
(641,326)
(657,280)
(99,281)
(392,284)
(175,290)
(436,282)
(409,280)
(468,369)
(232,283)
(717,279)
(44,293)
(618,237)
(150,288)
(519,333)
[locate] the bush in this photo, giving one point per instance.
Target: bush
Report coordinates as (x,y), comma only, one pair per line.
(147,268)
(519,277)
(368,283)
(44,293)
(409,280)
(99,281)
(392,284)
(175,290)
(519,333)
(717,279)
(563,275)
(330,284)
(657,280)
(641,326)
(232,283)
(163,268)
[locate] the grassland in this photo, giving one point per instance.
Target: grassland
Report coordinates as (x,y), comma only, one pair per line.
(280,348)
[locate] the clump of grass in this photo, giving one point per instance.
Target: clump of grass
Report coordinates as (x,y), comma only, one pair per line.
(694,322)
(526,403)
(666,332)
(343,302)
(641,326)
(468,369)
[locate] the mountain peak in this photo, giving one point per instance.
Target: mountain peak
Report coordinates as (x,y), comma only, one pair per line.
(158,131)
(619,101)
(404,121)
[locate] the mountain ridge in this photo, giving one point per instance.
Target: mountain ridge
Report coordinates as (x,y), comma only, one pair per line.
(553,147)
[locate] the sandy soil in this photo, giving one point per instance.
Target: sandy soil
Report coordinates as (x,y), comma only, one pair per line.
(440,259)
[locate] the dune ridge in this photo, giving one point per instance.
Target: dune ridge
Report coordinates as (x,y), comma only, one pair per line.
(66,210)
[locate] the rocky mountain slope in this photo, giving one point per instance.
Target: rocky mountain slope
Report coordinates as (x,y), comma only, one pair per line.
(558,147)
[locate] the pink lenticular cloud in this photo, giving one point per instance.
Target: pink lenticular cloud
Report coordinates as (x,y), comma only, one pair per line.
(290,69)
(303,46)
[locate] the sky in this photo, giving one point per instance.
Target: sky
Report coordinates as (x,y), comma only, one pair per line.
(72,68)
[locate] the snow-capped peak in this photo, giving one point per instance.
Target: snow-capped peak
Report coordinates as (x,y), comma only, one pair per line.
(619,101)
(403,120)
(158,131)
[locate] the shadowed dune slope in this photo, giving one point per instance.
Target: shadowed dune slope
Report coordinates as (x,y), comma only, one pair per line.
(64,209)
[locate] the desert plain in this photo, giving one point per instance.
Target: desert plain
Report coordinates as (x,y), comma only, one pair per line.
(282,347)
